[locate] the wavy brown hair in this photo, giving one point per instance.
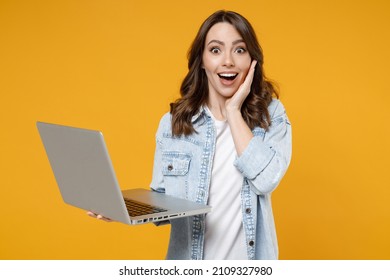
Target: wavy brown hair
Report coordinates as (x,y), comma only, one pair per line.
(194,88)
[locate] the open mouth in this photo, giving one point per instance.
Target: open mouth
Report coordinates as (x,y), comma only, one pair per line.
(228,76)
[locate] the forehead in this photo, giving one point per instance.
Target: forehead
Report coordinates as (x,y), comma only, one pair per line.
(224,32)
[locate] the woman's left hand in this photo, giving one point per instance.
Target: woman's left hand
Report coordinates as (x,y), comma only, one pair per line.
(235,102)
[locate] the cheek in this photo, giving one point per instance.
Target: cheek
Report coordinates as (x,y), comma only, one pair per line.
(247,64)
(209,62)
(245,67)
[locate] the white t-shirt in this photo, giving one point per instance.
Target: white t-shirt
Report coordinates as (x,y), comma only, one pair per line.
(224,233)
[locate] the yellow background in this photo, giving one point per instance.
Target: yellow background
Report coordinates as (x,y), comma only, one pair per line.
(116,65)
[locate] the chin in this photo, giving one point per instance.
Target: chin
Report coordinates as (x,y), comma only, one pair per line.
(228,93)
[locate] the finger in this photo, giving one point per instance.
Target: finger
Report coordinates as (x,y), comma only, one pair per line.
(100,217)
(253,64)
(91,214)
(251,72)
(245,87)
(249,77)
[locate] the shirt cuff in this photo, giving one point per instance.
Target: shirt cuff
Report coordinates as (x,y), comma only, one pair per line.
(254,159)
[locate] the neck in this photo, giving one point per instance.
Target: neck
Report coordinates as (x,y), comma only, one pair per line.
(217,107)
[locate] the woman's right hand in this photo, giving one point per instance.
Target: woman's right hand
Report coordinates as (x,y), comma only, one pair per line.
(99,217)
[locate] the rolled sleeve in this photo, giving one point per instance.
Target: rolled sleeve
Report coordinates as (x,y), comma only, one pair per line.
(254,159)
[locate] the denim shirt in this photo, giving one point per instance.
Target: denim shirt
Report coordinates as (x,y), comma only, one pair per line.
(182,168)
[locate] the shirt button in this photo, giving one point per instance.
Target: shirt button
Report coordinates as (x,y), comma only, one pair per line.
(251,243)
(170,167)
(248,210)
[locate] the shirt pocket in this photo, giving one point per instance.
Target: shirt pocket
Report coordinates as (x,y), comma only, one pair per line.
(175,169)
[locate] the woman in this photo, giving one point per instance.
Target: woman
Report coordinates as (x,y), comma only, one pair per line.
(227,143)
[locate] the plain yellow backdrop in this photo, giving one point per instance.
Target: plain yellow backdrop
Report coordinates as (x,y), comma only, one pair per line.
(116,65)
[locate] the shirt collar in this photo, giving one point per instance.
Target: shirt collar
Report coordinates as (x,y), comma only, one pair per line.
(202,112)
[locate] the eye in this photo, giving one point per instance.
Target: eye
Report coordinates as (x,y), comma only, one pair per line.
(215,50)
(240,50)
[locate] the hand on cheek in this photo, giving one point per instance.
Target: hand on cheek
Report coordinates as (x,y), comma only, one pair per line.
(235,102)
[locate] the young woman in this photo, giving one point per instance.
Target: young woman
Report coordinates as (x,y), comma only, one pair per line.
(227,143)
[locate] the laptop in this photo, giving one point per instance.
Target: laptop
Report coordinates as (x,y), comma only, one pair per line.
(86,179)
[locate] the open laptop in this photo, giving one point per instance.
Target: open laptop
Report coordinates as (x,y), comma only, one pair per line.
(86,178)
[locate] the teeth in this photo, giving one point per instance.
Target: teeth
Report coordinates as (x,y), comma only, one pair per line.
(227,75)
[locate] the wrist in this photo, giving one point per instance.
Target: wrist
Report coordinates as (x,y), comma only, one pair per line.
(232,113)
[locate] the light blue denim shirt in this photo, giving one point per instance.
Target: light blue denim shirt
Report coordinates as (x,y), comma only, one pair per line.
(182,168)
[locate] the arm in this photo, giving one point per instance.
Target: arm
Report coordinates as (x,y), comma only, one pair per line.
(266,158)
(263,158)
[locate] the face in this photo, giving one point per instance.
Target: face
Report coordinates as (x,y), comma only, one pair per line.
(226,60)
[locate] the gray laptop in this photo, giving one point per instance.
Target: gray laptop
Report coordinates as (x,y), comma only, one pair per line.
(86,178)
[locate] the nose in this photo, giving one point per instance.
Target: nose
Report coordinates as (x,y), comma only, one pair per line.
(228,60)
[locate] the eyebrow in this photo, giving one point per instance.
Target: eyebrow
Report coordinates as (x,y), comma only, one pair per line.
(222,43)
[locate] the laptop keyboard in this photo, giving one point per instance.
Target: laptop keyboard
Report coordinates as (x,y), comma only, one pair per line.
(136,208)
